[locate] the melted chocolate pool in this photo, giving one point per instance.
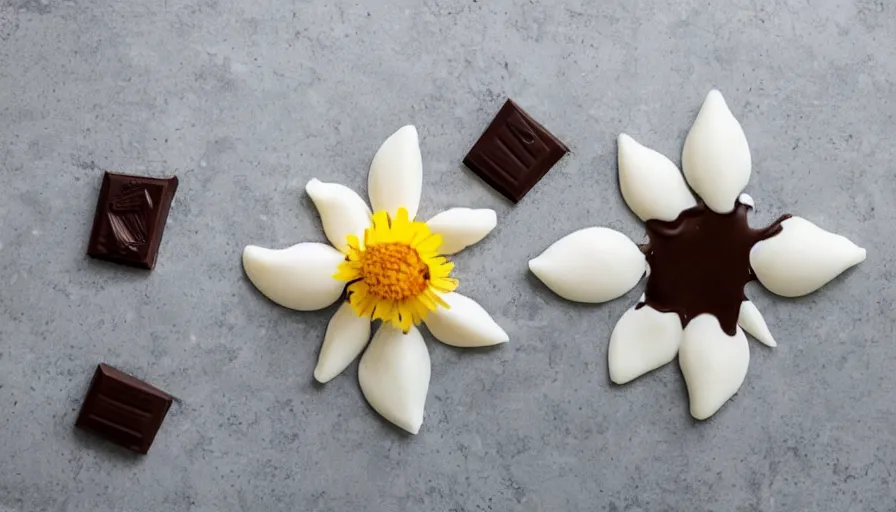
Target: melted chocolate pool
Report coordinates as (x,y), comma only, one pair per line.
(700,263)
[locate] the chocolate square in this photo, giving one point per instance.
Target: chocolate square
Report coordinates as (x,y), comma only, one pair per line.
(514,153)
(130,217)
(123,409)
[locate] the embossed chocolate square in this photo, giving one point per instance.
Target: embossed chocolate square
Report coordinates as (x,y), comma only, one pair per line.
(123,409)
(130,217)
(514,152)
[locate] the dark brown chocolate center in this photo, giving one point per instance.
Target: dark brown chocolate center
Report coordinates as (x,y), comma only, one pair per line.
(700,263)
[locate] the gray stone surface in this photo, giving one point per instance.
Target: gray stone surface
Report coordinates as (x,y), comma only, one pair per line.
(246,100)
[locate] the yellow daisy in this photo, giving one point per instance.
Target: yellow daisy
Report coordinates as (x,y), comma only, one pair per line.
(384,266)
(394,276)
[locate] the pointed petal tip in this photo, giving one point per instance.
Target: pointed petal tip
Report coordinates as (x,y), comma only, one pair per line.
(409,132)
(501,338)
(619,380)
(313,186)
(254,254)
(701,414)
(625,139)
(715,96)
(715,101)
(410,428)
(320,376)
(750,319)
(491,217)
(535,265)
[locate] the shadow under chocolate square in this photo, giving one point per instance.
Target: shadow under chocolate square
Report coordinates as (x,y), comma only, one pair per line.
(514,152)
(130,217)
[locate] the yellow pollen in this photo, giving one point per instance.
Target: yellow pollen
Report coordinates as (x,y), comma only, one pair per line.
(394,271)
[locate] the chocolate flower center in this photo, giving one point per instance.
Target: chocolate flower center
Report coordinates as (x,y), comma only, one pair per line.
(700,263)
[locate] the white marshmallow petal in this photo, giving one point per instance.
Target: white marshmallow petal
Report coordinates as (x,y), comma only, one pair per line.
(651,184)
(714,364)
(394,376)
(716,157)
(347,335)
(590,265)
(462,227)
(643,340)
(396,173)
(299,277)
(464,324)
(750,320)
(342,211)
(802,258)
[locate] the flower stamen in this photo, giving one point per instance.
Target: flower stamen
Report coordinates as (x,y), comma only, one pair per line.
(393,271)
(396,275)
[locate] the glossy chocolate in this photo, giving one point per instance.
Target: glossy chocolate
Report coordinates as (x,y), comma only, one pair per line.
(123,409)
(130,217)
(514,153)
(700,263)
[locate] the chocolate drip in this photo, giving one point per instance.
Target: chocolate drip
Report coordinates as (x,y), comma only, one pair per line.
(700,263)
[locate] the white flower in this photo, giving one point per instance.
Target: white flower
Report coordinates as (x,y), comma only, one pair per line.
(792,258)
(394,371)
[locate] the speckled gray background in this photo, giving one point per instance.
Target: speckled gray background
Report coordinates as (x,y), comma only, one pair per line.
(245,100)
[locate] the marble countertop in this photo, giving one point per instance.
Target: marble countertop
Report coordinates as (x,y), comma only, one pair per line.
(246,100)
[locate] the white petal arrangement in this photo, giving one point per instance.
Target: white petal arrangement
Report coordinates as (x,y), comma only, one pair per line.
(385,266)
(698,259)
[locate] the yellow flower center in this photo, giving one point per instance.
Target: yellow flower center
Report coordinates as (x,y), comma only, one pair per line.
(397,274)
(394,271)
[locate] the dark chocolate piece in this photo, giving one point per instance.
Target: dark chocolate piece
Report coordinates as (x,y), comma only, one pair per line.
(700,263)
(130,218)
(123,409)
(514,153)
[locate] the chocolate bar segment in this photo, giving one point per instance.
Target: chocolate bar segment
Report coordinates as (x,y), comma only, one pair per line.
(130,217)
(123,409)
(514,153)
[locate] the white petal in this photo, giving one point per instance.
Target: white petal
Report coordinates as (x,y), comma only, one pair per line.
(750,319)
(590,265)
(396,173)
(465,324)
(714,364)
(802,258)
(716,157)
(347,335)
(746,199)
(342,211)
(651,184)
(462,227)
(300,277)
(394,376)
(643,340)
